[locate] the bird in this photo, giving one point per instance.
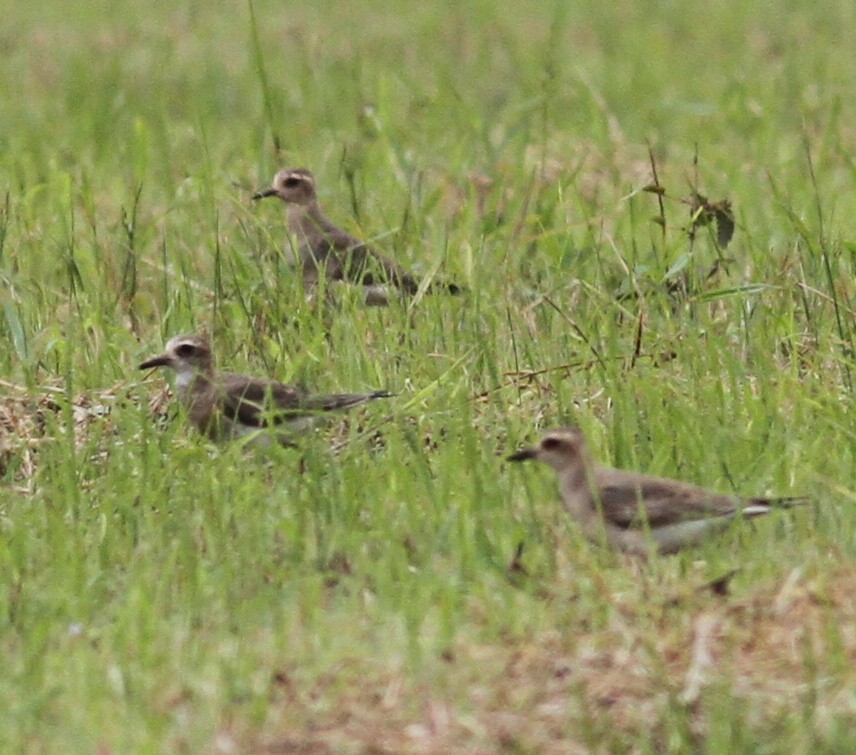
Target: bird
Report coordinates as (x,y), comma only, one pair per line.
(638,513)
(326,250)
(225,406)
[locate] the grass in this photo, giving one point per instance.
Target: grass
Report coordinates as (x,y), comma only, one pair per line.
(162,595)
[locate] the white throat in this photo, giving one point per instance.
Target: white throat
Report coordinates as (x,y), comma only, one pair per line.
(184,377)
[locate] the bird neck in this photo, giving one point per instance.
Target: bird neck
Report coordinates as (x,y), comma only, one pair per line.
(307,221)
(192,381)
(580,473)
(577,474)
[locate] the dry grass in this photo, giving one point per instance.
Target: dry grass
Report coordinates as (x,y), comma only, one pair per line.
(568,690)
(27,421)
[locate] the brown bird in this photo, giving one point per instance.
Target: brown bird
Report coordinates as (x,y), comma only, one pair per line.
(634,512)
(225,406)
(326,248)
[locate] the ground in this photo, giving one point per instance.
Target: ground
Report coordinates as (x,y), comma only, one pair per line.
(650,210)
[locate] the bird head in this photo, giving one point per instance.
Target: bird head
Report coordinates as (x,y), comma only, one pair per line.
(561,448)
(292,185)
(188,355)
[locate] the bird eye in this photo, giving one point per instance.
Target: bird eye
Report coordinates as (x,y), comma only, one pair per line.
(186,350)
(550,444)
(291,182)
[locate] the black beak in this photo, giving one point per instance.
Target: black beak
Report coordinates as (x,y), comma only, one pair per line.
(265,193)
(524,455)
(161,361)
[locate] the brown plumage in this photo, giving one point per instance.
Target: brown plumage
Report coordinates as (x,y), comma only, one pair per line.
(323,246)
(635,512)
(227,405)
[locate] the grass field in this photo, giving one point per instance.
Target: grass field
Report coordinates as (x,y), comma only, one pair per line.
(365,593)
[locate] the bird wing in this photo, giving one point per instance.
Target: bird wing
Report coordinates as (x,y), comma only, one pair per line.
(339,401)
(361,262)
(638,501)
(260,403)
(372,268)
(344,257)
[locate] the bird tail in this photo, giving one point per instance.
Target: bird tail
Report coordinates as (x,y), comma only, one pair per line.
(444,287)
(410,285)
(759,506)
(454,289)
(341,401)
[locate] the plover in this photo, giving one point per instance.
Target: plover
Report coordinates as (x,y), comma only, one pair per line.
(325,249)
(634,512)
(225,405)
